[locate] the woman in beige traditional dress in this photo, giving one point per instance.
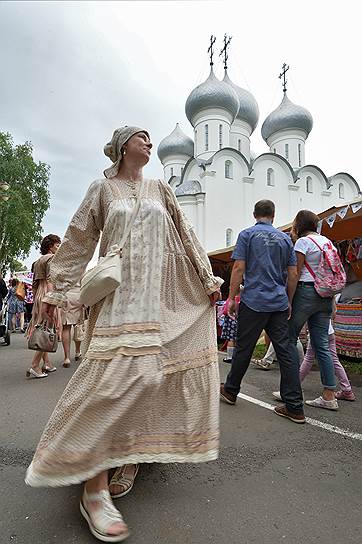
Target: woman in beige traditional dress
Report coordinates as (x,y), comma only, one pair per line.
(41,285)
(147,388)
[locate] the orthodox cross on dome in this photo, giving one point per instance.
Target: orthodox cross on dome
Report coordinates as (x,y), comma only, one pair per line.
(211,49)
(282,75)
(224,50)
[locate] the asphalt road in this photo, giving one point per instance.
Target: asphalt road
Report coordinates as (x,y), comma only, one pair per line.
(274,481)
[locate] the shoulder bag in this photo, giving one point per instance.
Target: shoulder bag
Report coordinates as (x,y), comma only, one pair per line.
(105,277)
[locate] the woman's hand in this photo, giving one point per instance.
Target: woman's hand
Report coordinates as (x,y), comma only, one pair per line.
(214,297)
(48,311)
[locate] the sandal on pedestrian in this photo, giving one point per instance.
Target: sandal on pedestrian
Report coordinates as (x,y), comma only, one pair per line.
(77,356)
(66,363)
(32,373)
(124,479)
(102,519)
(50,368)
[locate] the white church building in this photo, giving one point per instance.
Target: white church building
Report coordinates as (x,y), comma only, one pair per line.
(216,177)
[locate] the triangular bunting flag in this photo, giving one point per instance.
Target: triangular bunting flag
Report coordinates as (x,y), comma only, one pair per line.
(331,219)
(356,206)
(342,212)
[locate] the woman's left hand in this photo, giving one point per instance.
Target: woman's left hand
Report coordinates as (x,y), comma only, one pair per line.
(214,297)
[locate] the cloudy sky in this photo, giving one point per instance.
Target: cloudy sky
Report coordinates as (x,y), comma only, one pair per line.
(74,71)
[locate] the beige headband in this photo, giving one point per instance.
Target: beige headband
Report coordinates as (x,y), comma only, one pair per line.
(113,148)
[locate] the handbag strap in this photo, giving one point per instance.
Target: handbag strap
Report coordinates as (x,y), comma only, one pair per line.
(135,211)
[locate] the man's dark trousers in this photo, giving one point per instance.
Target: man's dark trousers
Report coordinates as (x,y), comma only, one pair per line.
(250,326)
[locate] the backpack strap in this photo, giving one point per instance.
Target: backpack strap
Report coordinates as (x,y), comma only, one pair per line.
(309,269)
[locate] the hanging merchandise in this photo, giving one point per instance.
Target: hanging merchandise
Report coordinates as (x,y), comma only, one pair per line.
(331,219)
(356,206)
(342,212)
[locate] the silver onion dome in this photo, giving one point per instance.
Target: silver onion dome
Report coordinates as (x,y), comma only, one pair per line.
(287,116)
(248,107)
(176,143)
(189,187)
(212,93)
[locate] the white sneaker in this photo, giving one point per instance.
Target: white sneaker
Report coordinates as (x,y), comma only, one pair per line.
(276,395)
(321,403)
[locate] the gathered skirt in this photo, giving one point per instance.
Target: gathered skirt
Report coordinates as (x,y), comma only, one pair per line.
(128,410)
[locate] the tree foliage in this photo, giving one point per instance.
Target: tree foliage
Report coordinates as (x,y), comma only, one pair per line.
(21,216)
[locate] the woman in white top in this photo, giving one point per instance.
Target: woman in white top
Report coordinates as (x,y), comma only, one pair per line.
(309,307)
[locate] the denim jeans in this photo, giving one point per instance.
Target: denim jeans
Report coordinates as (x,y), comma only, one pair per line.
(309,307)
(250,326)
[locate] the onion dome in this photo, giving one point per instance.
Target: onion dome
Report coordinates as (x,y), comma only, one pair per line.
(248,107)
(212,93)
(189,187)
(176,143)
(287,116)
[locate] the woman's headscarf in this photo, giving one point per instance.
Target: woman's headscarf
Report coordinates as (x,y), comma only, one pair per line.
(114,147)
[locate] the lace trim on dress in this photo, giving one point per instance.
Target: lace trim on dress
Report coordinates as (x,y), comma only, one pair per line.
(133,340)
(131,352)
(126,327)
(37,480)
(193,360)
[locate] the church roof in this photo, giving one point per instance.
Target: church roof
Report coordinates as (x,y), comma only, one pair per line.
(212,93)
(189,187)
(287,116)
(248,107)
(176,143)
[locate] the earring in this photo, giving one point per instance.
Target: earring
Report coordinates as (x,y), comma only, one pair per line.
(124,151)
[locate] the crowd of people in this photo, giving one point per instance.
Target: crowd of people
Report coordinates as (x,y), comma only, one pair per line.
(147,388)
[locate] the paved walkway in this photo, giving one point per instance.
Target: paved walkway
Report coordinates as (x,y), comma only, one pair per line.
(274,481)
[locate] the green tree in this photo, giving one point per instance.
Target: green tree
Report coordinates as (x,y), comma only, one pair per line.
(21,216)
(17,266)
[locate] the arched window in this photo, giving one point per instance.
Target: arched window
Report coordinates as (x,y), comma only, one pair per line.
(309,184)
(171,171)
(299,154)
(341,190)
(206,137)
(229,237)
(220,136)
(287,151)
(270,177)
(228,169)
(182,170)
(275,151)
(239,145)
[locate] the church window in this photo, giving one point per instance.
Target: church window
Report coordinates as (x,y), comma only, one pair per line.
(220,136)
(299,154)
(341,190)
(229,237)
(287,151)
(228,169)
(239,145)
(270,177)
(206,137)
(171,171)
(275,151)
(309,185)
(182,170)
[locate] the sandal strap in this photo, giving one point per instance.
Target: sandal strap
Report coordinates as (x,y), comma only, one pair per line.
(119,477)
(106,515)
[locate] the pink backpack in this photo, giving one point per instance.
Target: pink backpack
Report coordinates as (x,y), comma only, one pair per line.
(330,277)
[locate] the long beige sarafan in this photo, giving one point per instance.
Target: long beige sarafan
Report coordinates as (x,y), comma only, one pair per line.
(147,389)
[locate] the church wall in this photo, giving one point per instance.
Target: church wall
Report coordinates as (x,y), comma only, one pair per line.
(213,118)
(279,179)
(290,145)
(174,165)
(343,189)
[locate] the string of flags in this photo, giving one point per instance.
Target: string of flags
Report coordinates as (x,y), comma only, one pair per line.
(355,207)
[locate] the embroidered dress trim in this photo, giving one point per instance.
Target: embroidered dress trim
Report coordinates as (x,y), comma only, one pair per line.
(37,480)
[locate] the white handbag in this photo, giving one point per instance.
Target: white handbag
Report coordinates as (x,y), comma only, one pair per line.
(105,277)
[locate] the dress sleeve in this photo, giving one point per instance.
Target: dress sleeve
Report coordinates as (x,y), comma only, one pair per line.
(191,243)
(78,246)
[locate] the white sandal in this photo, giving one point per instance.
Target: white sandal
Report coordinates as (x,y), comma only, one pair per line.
(127,482)
(100,520)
